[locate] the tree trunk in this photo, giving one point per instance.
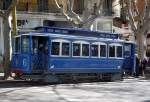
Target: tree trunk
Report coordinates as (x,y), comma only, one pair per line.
(6,34)
(140,45)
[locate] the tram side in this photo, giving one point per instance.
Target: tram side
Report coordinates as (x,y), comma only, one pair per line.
(54,57)
(102,58)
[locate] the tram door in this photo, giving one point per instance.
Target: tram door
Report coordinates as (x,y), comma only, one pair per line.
(39,53)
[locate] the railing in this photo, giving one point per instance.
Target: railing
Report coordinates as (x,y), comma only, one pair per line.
(36,8)
(39,61)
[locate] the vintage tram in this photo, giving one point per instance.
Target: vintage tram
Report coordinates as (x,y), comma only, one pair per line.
(56,54)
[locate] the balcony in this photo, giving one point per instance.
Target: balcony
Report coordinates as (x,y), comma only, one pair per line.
(36,8)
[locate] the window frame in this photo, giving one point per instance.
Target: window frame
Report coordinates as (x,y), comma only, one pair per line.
(22,44)
(14,45)
(81,44)
(60,41)
(115,45)
(99,44)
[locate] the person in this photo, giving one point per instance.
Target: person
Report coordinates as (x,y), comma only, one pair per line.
(137,66)
(148,63)
(143,64)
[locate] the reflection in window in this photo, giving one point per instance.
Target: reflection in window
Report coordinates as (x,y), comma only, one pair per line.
(127,50)
(94,50)
(85,49)
(102,50)
(17,45)
(111,51)
(119,51)
(25,44)
(35,45)
(65,49)
(55,48)
(76,49)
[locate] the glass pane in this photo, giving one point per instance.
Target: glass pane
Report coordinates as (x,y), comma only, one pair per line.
(85,49)
(17,45)
(102,50)
(55,48)
(35,45)
(94,50)
(25,44)
(76,49)
(119,51)
(111,51)
(127,50)
(65,49)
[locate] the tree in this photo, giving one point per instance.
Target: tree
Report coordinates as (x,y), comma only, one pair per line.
(6,31)
(139,21)
(66,7)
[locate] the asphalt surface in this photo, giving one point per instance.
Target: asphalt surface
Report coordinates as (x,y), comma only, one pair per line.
(129,90)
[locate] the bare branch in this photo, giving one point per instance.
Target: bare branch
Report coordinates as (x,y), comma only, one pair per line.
(146,16)
(58,4)
(67,9)
(12,5)
(2,13)
(99,6)
(131,19)
(135,7)
(96,13)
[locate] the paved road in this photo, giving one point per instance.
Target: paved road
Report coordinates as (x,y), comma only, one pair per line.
(129,90)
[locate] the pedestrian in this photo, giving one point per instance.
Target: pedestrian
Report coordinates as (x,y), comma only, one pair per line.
(143,64)
(137,66)
(148,63)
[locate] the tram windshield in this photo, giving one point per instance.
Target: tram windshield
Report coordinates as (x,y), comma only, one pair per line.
(16,45)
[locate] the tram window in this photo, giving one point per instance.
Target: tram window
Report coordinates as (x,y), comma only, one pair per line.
(111,51)
(119,51)
(35,45)
(76,49)
(102,50)
(17,45)
(127,50)
(25,44)
(55,48)
(85,49)
(65,49)
(94,50)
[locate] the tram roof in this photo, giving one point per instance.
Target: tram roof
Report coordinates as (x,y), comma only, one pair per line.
(74,31)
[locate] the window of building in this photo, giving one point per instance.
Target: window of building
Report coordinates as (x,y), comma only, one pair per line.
(42,5)
(76,49)
(85,49)
(111,51)
(25,44)
(94,50)
(55,49)
(102,50)
(65,49)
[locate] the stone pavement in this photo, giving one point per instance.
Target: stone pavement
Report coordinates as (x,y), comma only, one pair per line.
(129,90)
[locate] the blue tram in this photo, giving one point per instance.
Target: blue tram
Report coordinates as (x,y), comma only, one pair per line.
(54,54)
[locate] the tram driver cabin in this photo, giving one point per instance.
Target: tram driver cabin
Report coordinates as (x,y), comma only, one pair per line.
(56,52)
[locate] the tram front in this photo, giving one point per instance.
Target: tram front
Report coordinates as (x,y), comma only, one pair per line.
(30,54)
